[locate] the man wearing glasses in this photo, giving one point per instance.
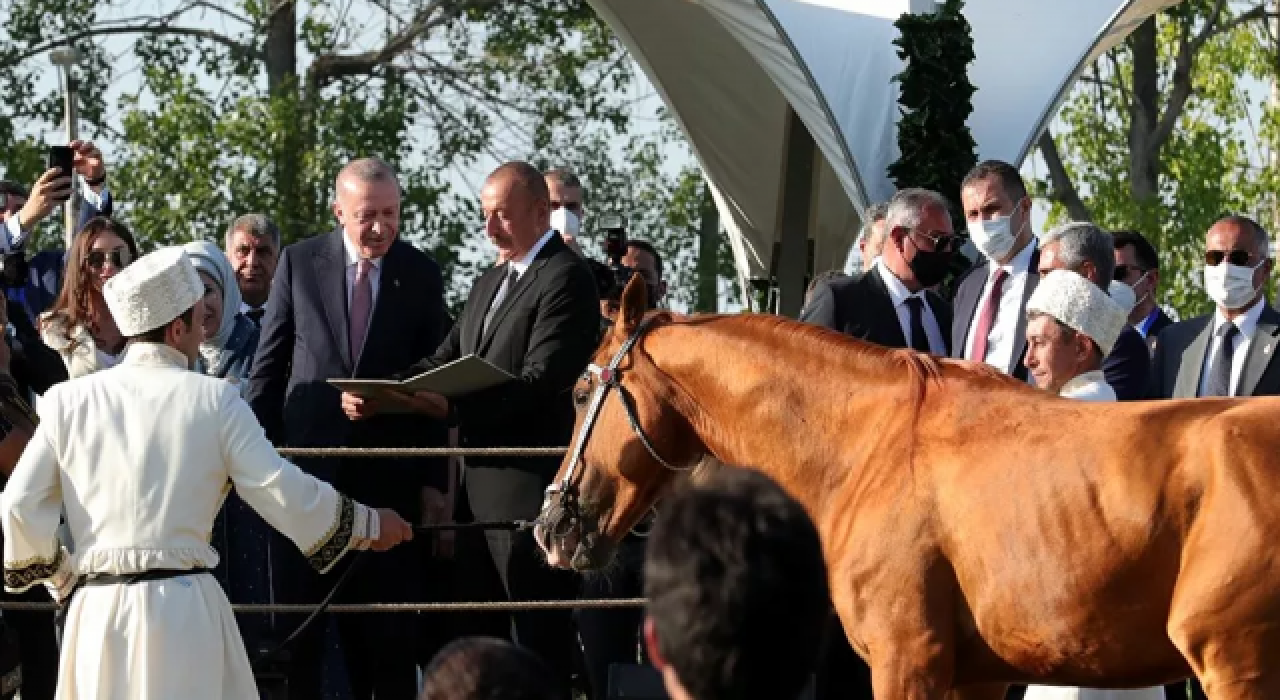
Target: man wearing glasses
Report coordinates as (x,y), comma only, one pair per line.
(1228,352)
(893,303)
(1138,267)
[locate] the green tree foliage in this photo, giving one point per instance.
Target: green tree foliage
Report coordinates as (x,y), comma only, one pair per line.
(253,105)
(1164,135)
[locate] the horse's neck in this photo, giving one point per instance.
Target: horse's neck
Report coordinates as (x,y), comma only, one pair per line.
(779,402)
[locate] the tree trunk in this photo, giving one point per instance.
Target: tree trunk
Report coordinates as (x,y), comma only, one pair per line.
(282,85)
(1144,114)
(708,296)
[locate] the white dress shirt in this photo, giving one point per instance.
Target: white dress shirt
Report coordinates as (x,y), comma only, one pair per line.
(245,308)
(1090,386)
(14,233)
(898,294)
(525,260)
(1003,342)
(1248,325)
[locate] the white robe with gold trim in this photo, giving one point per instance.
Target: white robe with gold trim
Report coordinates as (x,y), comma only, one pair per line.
(142,456)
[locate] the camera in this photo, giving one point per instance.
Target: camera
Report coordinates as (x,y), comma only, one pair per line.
(612,278)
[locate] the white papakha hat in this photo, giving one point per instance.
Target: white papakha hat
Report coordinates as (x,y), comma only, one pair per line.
(152,291)
(1081,305)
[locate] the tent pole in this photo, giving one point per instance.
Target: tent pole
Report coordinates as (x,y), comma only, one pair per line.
(797,197)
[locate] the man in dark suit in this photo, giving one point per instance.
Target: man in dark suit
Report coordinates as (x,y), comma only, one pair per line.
(1231,351)
(891,304)
(1089,251)
(1138,265)
(991,298)
(537,316)
(357,302)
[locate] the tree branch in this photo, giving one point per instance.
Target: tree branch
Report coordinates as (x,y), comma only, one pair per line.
(329,67)
(1064,191)
(235,46)
(1184,65)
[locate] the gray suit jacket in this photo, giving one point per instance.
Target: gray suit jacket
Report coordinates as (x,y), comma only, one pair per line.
(965,307)
(1180,352)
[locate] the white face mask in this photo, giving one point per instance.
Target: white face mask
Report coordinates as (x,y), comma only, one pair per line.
(1134,287)
(565,222)
(995,238)
(1230,286)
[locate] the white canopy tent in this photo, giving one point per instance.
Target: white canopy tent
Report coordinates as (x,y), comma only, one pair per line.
(742,76)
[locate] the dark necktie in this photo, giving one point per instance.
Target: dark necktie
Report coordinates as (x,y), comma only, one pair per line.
(255,315)
(919,340)
(513,276)
(1219,383)
(987,319)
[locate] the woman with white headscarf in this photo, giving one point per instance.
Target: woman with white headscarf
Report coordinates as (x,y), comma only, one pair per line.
(230,338)
(239,533)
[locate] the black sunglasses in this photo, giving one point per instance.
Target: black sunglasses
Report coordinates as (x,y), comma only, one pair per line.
(1122,272)
(1241,258)
(98,258)
(944,242)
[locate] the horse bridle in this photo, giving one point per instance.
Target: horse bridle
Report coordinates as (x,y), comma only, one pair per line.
(565,493)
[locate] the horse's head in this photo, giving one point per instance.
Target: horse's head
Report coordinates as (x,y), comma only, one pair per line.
(629,442)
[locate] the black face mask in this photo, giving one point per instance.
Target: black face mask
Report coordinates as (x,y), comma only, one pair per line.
(930,266)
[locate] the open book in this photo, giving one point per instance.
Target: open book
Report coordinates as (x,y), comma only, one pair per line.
(463,376)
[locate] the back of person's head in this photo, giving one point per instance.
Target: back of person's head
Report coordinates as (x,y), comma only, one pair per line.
(487,668)
(737,590)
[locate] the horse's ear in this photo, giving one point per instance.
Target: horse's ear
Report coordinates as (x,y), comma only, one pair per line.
(635,301)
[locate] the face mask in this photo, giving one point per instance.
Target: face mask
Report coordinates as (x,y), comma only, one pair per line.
(929,266)
(1134,287)
(995,238)
(565,222)
(1230,286)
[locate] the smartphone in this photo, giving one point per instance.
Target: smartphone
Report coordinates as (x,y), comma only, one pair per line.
(62,158)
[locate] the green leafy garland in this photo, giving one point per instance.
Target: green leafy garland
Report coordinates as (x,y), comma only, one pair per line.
(933,134)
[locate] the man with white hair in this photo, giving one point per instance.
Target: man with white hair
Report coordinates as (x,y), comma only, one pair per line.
(891,304)
(1071,326)
(140,457)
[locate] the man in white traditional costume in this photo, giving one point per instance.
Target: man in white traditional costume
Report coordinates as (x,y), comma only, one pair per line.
(1071,326)
(141,455)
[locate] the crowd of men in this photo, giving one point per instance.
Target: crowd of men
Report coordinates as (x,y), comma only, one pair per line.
(1072,311)
(358,302)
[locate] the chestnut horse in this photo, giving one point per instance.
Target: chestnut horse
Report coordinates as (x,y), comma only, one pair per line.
(977,531)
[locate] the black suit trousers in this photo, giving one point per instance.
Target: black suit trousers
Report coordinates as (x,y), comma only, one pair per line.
(612,635)
(515,564)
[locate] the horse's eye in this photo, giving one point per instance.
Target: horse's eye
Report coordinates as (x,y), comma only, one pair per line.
(580,397)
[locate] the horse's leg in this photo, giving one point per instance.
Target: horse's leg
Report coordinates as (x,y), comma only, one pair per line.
(994,691)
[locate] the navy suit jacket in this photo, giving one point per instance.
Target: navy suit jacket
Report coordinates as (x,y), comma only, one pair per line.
(304,344)
(1128,367)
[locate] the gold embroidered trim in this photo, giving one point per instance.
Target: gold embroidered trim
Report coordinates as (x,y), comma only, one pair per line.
(336,541)
(19,576)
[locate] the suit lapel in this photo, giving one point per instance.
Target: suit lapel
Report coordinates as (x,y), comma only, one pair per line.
(966,305)
(513,295)
(886,316)
(485,289)
(331,277)
(942,314)
(1187,385)
(1261,350)
(1020,329)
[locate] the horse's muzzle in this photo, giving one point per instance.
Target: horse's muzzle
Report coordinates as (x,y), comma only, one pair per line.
(568,536)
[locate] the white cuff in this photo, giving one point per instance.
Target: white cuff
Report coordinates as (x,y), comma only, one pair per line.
(13,234)
(366,528)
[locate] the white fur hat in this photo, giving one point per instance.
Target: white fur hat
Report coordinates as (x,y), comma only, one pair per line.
(152,291)
(1081,305)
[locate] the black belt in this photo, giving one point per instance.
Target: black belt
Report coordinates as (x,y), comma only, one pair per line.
(152,575)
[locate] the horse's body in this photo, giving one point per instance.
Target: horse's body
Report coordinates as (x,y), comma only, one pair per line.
(977,531)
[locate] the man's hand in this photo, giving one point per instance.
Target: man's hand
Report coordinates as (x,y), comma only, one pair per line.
(88,161)
(437,509)
(48,192)
(392,530)
(358,407)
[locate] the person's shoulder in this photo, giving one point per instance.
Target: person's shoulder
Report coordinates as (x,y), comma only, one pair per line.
(310,244)
(1179,334)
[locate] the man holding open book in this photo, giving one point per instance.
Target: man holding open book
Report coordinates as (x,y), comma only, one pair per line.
(356,302)
(537,317)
